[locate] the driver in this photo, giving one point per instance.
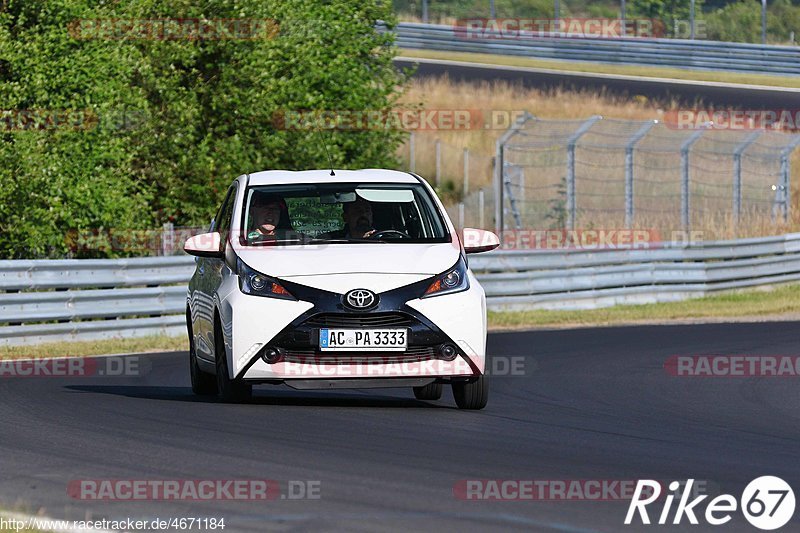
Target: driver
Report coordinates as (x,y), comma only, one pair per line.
(357,217)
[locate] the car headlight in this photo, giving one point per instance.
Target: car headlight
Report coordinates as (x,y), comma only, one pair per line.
(453,280)
(258,284)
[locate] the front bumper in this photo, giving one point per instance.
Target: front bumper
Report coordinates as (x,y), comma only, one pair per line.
(457,320)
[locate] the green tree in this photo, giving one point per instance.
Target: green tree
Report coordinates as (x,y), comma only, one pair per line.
(174,121)
(672,13)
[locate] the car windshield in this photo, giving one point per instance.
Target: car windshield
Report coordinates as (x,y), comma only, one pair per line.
(335,213)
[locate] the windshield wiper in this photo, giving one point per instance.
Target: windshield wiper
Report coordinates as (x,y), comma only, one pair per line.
(273,241)
(343,241)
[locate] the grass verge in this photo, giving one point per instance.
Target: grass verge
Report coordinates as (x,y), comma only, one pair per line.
(601,68)
(752,304)
(85,348)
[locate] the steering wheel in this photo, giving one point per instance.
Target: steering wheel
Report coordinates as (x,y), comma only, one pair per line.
(387,232)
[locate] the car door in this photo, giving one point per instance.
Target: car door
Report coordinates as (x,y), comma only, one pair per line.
(209,278)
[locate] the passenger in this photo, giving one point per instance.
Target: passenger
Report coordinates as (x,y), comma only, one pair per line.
(269,217)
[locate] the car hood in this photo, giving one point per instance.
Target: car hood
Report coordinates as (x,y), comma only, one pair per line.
(293,262)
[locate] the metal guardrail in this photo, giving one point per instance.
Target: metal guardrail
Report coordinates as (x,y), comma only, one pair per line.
(86,299)
(46,301)
(581,279)
(694,54)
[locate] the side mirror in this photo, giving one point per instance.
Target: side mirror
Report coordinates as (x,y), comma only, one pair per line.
(479,240)
(204,245)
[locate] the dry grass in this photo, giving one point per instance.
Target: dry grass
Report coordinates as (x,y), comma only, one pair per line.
(159,343)
(753,304)
(507,101)
(501,99)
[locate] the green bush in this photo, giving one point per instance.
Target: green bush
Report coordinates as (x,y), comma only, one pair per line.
(438,9)
(740,21)
(172,122)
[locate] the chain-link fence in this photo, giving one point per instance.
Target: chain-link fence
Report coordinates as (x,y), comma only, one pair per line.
(608,173)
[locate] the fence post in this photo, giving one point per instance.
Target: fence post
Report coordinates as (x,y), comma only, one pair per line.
(629,169)
(167,238)
(412,154)
(512,201)
(466,172)
(737,175)
(685,147)
(438,163)
(498,169)
(571,142)
(481,208)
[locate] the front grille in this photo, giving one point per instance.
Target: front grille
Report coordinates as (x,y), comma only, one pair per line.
(375,320)
(411,355)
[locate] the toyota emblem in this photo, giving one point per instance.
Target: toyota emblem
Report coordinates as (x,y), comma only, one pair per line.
(361,299)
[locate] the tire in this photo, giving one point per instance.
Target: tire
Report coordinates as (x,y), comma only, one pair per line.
(431,391)
(229,390)
(471,394)
(203,383)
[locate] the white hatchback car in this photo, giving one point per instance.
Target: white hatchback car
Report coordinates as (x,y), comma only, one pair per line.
(345,279)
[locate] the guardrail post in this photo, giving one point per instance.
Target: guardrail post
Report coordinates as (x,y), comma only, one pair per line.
(499,169)
(685,147)
(737,175)
(629,169)
(438,163)
(466,171)
(571,142)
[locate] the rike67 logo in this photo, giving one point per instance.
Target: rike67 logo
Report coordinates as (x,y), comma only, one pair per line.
(767,503)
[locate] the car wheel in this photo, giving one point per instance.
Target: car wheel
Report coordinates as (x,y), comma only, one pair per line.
(203,383)
(229,390)
(471,394)
(431,391)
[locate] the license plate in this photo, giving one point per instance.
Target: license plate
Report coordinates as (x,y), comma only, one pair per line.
(353,340)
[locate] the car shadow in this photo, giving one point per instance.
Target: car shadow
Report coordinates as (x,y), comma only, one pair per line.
(279,397)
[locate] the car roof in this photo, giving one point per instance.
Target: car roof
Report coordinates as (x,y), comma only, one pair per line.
(376,175)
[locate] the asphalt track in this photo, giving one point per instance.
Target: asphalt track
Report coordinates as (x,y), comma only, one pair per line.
(594,404)
(687,93)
